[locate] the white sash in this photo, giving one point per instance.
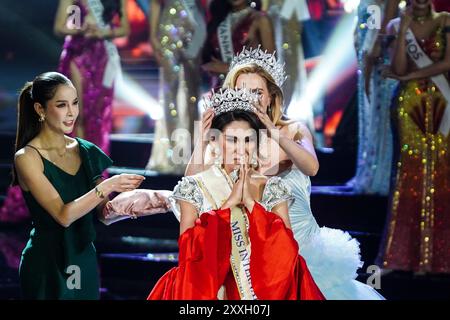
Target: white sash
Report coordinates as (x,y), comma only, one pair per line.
(224,33)
(298,6)
(199,35)
(421,59)
(113,68)
(217,186)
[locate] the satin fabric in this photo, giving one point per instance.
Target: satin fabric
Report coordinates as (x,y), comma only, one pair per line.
(276,269)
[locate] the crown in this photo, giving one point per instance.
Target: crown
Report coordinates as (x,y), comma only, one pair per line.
(228,99)
(263,59)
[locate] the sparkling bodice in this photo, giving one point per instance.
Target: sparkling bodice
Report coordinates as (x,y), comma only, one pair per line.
(303,224)
(192,189)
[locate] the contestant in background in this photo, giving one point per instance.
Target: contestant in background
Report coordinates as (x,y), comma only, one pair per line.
(418,226)
(177,35)
(375,143)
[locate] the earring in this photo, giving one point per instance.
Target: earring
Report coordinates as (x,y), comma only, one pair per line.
(254,161)
(41,117)
(217,157)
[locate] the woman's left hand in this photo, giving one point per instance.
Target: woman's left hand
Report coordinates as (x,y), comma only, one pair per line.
(247,198)
(272,130)
(93,32)
(387,73)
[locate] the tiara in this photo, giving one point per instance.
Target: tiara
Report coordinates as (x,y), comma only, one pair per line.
(228,99)
(263,59)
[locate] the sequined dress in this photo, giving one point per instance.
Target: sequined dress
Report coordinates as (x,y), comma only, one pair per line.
(418,227)
(375,142)
(179,84)
(90,57)
(288,41)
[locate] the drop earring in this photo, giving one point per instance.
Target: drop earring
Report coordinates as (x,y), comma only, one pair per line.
(254,161)
(217,158)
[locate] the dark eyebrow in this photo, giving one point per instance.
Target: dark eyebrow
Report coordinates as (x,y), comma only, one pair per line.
(61,100)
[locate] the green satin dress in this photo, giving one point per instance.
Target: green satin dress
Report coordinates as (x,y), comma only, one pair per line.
(58,262)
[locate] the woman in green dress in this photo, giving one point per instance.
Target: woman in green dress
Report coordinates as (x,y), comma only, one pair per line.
(61,179)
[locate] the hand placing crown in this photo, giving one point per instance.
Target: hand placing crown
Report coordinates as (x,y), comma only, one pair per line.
(265,60)
(228,99)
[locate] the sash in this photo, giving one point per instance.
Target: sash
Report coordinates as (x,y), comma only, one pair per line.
(421,59)
(224,33)
(113,68)
(198,22)
(299,7)
(216,186)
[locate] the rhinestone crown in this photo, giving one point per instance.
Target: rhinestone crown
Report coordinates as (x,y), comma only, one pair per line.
(228,99)
(263,59)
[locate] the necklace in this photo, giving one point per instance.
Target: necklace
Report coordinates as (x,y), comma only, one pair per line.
(422,19)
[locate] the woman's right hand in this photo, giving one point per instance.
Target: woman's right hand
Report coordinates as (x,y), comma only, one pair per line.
(235,198)
(207,119)
(405,20)
(123,182)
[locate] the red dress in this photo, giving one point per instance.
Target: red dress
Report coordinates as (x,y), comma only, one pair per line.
(277,271)
(441,5)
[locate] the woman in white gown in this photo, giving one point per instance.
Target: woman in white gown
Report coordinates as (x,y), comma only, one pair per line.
(332,255)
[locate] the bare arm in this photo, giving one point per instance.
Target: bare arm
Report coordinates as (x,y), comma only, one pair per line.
(282,211)
(123,29)
(399,63)
(265,28)
(155,12)
(440,67)
(188,216)
(390,12)
(60,27)
(29,168)
(301,152)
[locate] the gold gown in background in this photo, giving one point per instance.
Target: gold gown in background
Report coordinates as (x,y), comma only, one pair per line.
(178,88)
(418,235)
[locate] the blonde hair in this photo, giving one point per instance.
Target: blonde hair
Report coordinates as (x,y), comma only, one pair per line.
(275,111)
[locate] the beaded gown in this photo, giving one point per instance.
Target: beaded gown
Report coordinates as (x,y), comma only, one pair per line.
(375,142)
(181,21)
(418,227)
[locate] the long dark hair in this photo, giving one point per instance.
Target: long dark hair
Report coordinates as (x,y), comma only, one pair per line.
(111,8)
(226,118)
(41,90)
(218,9)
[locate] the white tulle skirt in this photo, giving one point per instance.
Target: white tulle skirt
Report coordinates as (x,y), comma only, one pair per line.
(333,258)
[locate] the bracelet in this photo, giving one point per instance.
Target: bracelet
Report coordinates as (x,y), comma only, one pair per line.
(99,193)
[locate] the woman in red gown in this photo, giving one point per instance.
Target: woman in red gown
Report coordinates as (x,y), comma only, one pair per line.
(236,241)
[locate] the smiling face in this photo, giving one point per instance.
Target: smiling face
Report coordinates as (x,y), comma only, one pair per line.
(254,81)
(61,111)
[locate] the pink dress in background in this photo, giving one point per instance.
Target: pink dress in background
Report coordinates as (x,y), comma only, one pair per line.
(90,58)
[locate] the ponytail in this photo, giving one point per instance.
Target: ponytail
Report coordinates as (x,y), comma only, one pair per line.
(41,90)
